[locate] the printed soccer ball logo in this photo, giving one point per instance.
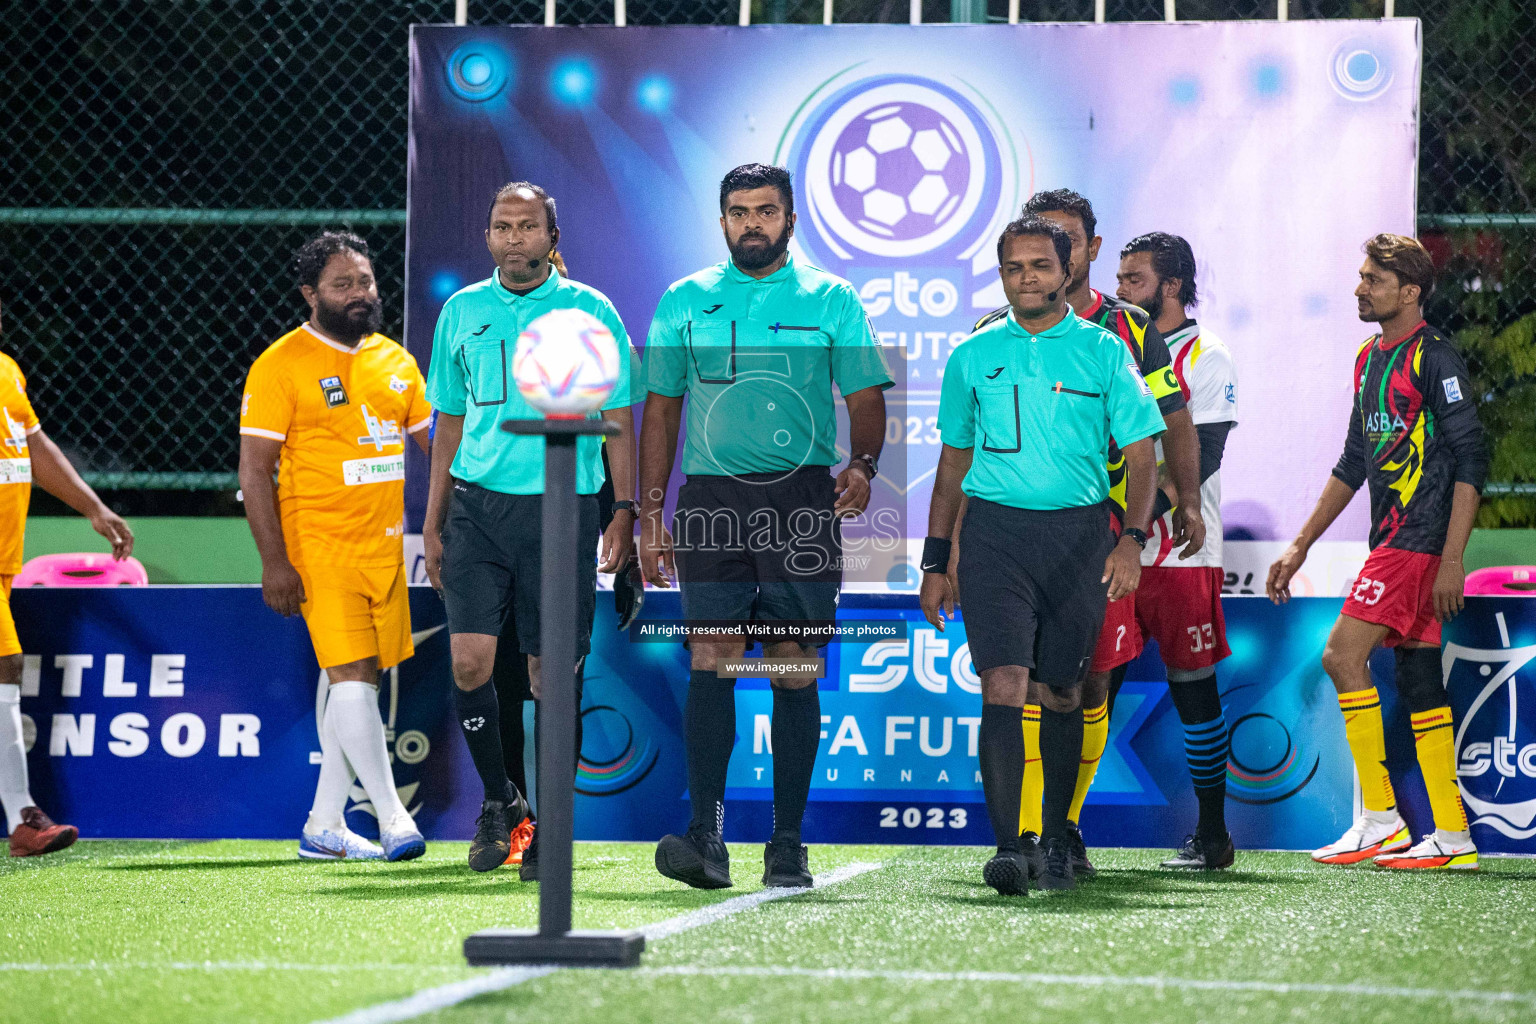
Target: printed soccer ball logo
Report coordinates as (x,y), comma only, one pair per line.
(899,168)
(566,363)
(899,171)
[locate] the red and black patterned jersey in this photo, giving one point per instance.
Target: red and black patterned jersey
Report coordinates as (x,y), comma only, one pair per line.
(1413,435)
(1132,325)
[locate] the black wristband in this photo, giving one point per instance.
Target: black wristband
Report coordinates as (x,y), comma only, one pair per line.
(1139,537)
(1161,505)
(936,554)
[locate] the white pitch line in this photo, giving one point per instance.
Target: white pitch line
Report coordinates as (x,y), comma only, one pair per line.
(735,905)
(442,997)
(500,979)
(219,965)
(1096,980)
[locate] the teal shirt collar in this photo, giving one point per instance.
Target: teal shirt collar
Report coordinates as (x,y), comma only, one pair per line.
(541,292)
(1059,330)
(740,276)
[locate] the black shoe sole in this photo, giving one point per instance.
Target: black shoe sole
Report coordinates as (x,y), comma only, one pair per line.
(788,881)
(1228,857)
(1083,869)
(485,863)
(527,872)
(678,861)
(1057,883)
(1006,876)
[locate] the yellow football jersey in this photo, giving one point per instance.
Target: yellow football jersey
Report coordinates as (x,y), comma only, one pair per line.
(343,416)
(15,463)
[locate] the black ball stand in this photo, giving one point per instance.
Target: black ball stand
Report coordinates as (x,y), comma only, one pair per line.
(554,942)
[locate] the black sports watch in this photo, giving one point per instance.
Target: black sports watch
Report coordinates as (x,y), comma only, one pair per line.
(868,462)
(632,507)
(1139,536)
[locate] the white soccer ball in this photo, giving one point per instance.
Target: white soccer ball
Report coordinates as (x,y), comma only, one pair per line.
(566,363)
(902,163)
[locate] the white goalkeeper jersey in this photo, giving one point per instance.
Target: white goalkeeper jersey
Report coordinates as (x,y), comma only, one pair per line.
(1208,378)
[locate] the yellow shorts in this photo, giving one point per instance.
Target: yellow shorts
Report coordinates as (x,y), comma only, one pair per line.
(9,643)
(354,614)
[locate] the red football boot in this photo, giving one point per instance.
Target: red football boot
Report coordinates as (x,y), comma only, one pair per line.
(37,834)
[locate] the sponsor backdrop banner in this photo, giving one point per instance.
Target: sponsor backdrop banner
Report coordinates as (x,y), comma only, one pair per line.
(190,713)
(1275,148)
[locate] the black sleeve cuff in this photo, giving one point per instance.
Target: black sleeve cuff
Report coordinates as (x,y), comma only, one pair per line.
(1343,476)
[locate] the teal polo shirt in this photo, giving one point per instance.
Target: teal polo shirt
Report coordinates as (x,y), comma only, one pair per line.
(471,376)
(1038,410)
(757,360)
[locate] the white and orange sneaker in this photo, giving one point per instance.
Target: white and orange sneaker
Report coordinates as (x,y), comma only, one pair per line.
(1435,851)
(1366,838)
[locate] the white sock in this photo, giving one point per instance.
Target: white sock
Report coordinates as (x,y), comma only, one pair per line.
(327,812)
(1450,838)
(353,711)
(1382,817)
(14,792)
(13,757)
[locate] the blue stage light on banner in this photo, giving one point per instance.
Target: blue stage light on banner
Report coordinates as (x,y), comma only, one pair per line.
(1184,92)
(478,71)
(1268,80)
(574,81)
(444,284)
(653,94)
(1360,69)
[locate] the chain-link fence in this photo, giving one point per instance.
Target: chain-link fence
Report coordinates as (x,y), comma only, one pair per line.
(163,158)
(1477,203)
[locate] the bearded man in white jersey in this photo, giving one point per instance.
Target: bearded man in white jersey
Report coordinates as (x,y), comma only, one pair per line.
(1179,603)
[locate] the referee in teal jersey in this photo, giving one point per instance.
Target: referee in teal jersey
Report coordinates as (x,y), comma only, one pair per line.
(1026,411)
(756,343)
(483,538)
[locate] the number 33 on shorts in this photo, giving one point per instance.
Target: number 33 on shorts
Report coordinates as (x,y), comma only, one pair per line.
(1201,638)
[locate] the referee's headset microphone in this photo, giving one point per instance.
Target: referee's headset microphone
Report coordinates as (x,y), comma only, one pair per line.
(1064,278)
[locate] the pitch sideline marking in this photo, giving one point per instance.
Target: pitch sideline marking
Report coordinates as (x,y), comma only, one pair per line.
(666,928)
(1093,980)
(502,978)
(219,965)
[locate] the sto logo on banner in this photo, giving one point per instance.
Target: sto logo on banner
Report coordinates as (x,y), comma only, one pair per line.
(1495,733)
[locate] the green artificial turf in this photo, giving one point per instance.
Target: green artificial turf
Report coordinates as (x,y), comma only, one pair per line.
(242,931)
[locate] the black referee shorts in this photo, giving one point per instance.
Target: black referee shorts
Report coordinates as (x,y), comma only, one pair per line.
(492,555)
(759,547)
(1030,587)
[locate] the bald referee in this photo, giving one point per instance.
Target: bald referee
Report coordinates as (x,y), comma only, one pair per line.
(1026,411)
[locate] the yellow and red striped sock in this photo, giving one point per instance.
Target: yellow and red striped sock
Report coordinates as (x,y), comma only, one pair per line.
(1095,739)
(1034,776)
(1368,745)
(1435,744)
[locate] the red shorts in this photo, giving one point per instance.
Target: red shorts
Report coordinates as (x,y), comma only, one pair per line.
(1120,639)
(1396,589)
(1180,608)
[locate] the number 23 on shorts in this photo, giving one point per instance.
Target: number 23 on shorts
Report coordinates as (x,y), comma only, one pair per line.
(1368,591)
